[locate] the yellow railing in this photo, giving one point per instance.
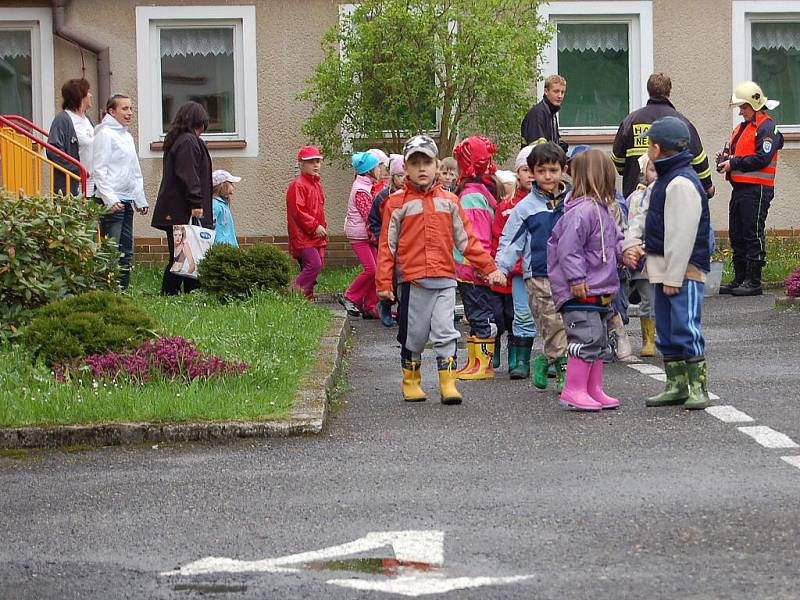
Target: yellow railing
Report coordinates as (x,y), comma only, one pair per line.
(25,168)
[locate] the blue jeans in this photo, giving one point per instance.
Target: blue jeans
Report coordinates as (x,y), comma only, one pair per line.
(523,326)
(678,321)
(119,227)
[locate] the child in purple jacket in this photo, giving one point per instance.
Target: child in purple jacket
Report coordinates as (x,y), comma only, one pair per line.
(582,257)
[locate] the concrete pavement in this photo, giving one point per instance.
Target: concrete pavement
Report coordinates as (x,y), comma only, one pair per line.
(658,503)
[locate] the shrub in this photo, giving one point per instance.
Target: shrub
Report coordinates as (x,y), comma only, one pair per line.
(91,323)
(235,272)
(173,358)
(792,284)
(50,250)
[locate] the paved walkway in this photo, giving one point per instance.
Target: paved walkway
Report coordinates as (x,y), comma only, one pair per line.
(637,503)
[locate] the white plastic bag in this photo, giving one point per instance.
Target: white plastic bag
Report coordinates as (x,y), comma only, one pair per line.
(191,242)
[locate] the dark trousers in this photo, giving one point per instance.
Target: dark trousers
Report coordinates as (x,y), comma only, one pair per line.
(747,217)
(119,227)
(503,308)
(478,302)
(172,284)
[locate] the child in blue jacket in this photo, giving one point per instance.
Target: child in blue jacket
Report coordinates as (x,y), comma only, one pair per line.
(525,235)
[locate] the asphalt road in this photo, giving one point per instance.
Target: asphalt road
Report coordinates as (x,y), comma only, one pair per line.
(637,503)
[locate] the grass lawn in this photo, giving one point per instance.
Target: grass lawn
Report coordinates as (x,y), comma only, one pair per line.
(334,280)
(275,335)
(783,257)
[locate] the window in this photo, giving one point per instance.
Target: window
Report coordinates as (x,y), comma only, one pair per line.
(204,54)
(593,38)
(770,55)
(26,64)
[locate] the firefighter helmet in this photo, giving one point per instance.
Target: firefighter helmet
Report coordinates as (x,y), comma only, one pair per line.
(748,92)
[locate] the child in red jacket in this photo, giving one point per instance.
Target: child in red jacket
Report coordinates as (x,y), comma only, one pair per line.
(305,214)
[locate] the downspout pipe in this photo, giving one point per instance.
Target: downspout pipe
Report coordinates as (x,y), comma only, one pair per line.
(80,39)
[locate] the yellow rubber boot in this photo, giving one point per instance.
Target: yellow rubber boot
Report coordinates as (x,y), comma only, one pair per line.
(447,381)
(412,380)
(484,350)
(471,361)
(648,337)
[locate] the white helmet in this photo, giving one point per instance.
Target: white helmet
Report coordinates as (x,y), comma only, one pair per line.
(749,92)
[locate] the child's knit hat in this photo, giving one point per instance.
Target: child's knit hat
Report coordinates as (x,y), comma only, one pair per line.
(364,162)
(474,156)
(522,158)
(506,177)
(382,157)
(397,165)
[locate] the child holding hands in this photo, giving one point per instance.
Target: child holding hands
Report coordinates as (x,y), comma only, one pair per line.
(582,257)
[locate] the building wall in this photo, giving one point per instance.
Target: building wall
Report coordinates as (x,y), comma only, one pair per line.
(692,43)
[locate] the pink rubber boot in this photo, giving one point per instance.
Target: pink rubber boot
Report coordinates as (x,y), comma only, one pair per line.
(595,386)
(574,394)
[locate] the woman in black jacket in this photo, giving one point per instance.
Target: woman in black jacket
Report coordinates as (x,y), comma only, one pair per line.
(72,132)
(185,191)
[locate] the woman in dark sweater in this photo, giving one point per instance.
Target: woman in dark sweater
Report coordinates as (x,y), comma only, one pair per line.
(185,192)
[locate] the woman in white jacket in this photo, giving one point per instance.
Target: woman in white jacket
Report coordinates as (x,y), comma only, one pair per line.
(118,179)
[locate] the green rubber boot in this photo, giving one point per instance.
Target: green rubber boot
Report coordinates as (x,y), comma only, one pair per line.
(523,367)
(540,366)
(512,355)
(496,356)
(561,372)
(698,388)
(676,390)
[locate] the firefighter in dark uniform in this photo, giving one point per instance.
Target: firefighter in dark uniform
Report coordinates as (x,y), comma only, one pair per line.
(541,122)
(631,141)
(749,162)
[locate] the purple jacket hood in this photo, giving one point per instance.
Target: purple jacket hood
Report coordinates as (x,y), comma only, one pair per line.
(585,247)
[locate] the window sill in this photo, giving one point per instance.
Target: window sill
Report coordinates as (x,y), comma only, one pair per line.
(791,137)
(594,138)
(212,145)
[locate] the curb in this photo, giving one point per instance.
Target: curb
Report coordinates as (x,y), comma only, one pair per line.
(308,414)
(786,301)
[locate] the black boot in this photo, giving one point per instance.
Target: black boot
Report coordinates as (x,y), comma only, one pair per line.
(739,275)
(752,284)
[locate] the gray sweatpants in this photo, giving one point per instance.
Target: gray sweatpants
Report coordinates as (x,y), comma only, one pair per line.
(647,307)
(587,334)
(424,314)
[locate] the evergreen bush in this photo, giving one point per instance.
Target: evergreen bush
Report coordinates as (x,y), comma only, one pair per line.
(49,249)
(90,323)
(232,272)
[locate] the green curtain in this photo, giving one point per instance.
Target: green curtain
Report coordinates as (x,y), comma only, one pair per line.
(593,57)
(776,67)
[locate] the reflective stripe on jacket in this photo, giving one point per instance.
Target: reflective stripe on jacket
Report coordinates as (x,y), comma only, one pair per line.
(754,151)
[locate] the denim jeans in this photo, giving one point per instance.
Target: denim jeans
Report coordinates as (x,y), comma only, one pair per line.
(524,325)
(119,227)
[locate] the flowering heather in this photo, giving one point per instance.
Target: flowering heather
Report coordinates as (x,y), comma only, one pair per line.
(168,357)
(792,284)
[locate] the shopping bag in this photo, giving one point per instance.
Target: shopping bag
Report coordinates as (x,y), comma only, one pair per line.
(191,242)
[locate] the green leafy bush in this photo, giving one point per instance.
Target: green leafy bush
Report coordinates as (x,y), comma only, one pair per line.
(235,272)
(90,323)
(50,250)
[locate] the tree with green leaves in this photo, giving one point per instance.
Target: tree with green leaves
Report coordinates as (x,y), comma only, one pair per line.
(395,68)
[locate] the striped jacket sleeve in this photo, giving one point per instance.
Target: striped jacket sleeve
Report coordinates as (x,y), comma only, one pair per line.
(619,149)
(700,160)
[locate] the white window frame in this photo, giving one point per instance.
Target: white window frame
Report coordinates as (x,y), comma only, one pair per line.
(638,15)
(745,13)
(40,23)
(148,60)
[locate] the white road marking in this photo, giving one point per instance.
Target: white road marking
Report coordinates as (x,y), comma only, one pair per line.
(792,460)
(768,437)
(416,546)
(712,396)
(419,585)
(659,376)
(646,368)
(728,414)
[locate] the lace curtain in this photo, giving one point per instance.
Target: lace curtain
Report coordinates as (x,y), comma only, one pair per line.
(14,43)
(779,35)
(592,37)
(201,42)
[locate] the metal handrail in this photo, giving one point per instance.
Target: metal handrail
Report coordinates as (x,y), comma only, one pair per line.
(29,124)
(8,121)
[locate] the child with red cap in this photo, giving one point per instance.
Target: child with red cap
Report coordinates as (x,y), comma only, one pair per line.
(305,213)
(476,195)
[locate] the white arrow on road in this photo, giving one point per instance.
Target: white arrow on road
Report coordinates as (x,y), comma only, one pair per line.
(408,546)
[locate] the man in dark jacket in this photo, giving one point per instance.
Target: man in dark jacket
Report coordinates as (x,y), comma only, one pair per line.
(631,140)
(541,122)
